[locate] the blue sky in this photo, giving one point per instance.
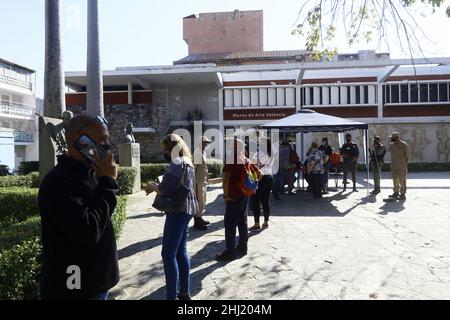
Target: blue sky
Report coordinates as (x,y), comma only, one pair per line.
(148,32)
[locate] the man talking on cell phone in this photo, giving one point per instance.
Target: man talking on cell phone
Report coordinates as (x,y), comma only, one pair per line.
(76,201)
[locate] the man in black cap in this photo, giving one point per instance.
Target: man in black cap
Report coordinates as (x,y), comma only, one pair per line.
(350,153)
(76,201)
(376,162)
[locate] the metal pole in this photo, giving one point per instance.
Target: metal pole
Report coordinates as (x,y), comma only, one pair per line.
(366,140)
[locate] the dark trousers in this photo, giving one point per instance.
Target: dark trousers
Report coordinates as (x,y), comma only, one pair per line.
(325,174)
(350,166)
(316,185)
(236,216)
(261,197)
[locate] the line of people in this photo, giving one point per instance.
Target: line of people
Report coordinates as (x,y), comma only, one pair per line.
(78,197)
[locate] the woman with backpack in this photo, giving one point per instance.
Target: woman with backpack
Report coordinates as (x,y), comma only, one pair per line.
(238,175)
(176,191)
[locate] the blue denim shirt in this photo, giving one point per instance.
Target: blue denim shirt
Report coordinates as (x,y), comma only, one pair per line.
(172,178)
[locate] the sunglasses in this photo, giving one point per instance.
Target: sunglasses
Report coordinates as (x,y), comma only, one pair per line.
(98,119)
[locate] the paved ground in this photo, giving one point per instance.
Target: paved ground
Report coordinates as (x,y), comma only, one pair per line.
(345,246)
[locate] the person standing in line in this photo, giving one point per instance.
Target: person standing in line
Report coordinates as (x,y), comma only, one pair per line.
(315,169)
(376,162)
(201,185)
(350,153)
(179,174)
(236,202)
(400,156)
(264,161)
(327,151)
(76,200)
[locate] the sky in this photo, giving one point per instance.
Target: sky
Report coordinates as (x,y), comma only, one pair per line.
(150,32)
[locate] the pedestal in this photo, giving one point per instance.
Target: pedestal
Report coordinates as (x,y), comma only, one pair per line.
(47,147)
(130,156)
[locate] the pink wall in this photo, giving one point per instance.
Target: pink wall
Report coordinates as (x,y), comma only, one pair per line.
(224,32)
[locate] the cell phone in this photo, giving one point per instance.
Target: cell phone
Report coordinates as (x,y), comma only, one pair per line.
(86,147)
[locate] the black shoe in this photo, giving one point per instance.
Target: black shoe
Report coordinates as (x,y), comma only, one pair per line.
(226,256)
(395,195)
(354,189)
(199,224)
(205,221)
(184,296)
(375,191)
(402,197)
(241,250)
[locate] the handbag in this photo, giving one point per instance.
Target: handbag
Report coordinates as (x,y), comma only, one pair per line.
(174,203)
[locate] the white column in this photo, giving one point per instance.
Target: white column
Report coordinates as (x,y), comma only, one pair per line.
(352,95)
(237,97)
(325,95)
(254,94)
(307,96)
(221,126)
(334,95)
(344,98)
(228,97)
(130,93)
(362,94)
(371,94)
(316,92)
(380,100)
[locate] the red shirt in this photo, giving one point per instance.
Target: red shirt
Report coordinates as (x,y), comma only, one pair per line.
(235,171)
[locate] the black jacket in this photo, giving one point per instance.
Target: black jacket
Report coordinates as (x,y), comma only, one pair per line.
(76,211)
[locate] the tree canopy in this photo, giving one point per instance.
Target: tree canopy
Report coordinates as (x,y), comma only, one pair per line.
(363,20)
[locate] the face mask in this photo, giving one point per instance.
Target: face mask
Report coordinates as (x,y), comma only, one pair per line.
(348,140)
(324,143)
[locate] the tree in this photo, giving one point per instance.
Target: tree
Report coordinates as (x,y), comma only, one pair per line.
(54,99)
(94,104)
(318,21)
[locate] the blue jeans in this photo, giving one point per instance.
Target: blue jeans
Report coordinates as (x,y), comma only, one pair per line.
(236,216)
(174,254)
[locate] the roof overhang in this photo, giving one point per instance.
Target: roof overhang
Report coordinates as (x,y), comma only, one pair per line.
(210,73)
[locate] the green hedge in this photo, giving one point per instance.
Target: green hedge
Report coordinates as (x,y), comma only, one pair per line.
(215,168)
(17,204)
(151,171)
(30,180)
(416,167)
(20,248)
(120,216)
(125,179)
(27,167)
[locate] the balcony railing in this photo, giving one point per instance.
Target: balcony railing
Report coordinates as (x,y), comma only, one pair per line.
(16,109)
(16,82)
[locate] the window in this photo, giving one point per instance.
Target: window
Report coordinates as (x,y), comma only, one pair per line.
(433,92)
(414,92)
(395,93)
(5,100)
(358,94)
(404,93)
(423,92)
(387,94)
(366,94)
(443,92)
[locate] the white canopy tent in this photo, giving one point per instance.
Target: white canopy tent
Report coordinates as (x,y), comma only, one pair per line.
(306,121)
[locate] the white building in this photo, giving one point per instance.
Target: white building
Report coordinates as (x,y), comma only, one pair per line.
(18,126)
